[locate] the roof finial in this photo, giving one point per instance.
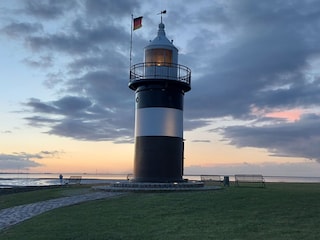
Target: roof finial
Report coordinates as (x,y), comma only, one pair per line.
(162,12)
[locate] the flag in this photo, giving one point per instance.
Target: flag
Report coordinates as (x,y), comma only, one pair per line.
(137,23)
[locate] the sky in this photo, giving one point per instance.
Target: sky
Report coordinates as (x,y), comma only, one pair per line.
(65,105)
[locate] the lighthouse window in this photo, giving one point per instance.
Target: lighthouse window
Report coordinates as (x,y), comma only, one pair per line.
(161,57)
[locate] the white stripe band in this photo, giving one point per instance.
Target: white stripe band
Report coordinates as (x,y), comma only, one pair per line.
(156,121)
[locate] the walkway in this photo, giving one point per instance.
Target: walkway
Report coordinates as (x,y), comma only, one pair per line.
(14,215)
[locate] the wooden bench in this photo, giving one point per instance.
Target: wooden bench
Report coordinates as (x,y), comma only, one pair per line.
(74,180)
(211,178)
(249,178)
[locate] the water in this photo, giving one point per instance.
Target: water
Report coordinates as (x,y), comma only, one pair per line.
(285,179)
(292,179)
(8,180)
(47,179)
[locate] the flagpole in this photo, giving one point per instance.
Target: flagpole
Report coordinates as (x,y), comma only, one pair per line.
(131,42)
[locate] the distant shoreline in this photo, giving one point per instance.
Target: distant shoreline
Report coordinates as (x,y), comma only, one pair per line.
(8,180)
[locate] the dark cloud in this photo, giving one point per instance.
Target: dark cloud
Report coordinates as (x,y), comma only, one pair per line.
(41,107)
(23,160)
(106,87)
(108,59)
(61,42)
(69,104)
(296,139)
(80,118)
(41,62)
(85,37)
(16,29)
(269,52)
(41,121)
(66,105)
(94,130)
(118,9)
(48,9)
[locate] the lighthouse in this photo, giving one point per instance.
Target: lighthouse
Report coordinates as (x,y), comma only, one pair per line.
(159,84)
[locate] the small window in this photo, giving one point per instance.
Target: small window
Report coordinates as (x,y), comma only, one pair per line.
(160,57)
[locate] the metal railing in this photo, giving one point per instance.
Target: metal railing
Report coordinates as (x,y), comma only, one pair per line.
(165,71)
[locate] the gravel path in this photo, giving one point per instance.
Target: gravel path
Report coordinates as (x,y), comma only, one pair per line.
(14,215)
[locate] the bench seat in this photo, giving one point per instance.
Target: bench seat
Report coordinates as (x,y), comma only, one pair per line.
(249,178)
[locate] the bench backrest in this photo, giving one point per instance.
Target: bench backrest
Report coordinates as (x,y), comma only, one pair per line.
(75,179)
(249,178)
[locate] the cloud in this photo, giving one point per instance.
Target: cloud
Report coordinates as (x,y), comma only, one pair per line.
(38,106)
(65,105)
(108,59)
(51,153)
(53,79)
(110,8)
(48,9)
(82,119)
(41,62)
(201,141)
(21,161)
(85,37)
(263,60)
(94,130)
(293,139)
(25,161)
(40,121)
(16,29)
(7,132)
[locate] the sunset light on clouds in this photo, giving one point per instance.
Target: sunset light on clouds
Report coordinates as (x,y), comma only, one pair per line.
(65,105)
(290,115)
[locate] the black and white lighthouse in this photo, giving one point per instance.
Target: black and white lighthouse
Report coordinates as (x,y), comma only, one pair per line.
(159,84)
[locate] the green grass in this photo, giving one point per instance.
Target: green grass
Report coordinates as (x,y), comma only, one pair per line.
(10,200)
(279,211)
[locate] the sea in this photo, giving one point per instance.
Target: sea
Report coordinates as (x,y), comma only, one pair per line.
(9,180)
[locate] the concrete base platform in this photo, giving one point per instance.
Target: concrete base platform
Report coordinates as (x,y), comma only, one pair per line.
(128,186)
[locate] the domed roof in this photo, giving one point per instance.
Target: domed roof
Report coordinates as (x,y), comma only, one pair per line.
(161,39)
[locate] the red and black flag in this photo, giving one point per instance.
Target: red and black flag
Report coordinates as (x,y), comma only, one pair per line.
(137,23)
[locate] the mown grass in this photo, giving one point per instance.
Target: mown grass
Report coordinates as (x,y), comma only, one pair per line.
(25,197)
(279,211)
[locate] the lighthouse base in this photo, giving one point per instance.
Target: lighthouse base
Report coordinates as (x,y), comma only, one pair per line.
(158,159)
(129,186)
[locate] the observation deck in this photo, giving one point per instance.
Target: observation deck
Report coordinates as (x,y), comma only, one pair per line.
(170,74)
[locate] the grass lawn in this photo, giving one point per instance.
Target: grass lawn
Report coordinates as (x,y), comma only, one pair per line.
(11,200)
(279,211)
